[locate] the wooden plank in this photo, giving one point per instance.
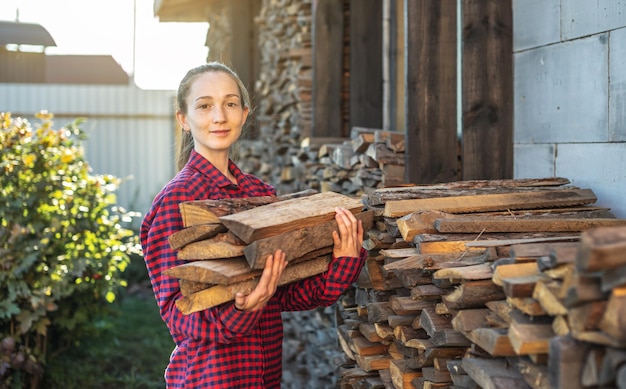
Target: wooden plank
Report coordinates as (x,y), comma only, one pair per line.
(539,249)
(481,271)
(491,202)
(220,294)
(475,224)
(218,271)
(195,233)
(431,129)
(209,211)
(463,187)
(602,248)
(487,94)
(299,242)
(280,217)
(224,245)
(421,222)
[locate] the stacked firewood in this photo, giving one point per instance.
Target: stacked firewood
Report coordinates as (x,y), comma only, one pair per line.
(226,242)
(370,159)
(283,89)
(495,284)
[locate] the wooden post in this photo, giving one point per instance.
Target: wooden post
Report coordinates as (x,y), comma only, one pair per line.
(487,151)
(430,71)
(328,58)
(366,62)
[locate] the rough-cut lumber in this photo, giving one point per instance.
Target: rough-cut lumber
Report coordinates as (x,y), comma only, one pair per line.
(530,338)
(402,374)
(297,243)
(373,362)
(502,272)
(467,320)
(602,248)
(508,242)
(476,224)
(522,286)
(495,341)
(493,373)
(455,188)
(539,249)
(218,271)
(422,261)
(190,287)
(220,294)
(481,271)
(491,202)
(362,346)
(546,292)
(195,233)
(224,245)
(421,222)
(473,294)
(279,217)
(209,211)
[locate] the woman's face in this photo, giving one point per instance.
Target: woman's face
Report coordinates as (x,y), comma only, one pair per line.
(215,115)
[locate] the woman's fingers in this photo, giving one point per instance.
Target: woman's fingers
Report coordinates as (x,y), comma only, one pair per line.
(349,240)
(268,283)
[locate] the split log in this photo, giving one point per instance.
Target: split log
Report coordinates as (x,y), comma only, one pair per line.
(602,248)
(225,245)
(220,294)
(218,271)
(297,243)
(194,234)
(280,217)
(473,294)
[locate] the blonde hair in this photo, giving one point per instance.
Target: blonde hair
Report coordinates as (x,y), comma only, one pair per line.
(186,140)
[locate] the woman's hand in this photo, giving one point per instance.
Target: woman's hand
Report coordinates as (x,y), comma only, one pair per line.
(267,285)
(349,240)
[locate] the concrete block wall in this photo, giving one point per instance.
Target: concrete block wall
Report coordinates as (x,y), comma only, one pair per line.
(570,94)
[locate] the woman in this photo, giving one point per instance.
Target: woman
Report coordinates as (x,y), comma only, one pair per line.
(237,344)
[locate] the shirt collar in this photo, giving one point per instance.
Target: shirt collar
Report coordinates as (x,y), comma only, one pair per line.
(203,166)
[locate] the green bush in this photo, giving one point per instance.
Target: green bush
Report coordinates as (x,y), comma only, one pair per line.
(63,245)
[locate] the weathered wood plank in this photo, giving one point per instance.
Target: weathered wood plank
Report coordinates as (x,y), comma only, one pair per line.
(224,245)
(280,217)
(476,224)
(220,294)
(218,271)
(602,248)
(195,233)
(491,202)
(299,242)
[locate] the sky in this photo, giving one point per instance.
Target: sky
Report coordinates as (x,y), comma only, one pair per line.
(157,54)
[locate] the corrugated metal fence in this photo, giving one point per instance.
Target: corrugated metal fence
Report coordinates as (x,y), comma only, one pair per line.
(130,130)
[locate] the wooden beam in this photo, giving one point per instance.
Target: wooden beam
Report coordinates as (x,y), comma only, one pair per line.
(431,98)
(487,89)
(328,38)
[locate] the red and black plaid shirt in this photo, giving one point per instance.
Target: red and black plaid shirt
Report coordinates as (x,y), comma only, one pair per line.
(223,347)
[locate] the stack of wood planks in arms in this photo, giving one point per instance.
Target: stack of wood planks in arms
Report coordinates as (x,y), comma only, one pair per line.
(226,242)
(493,284)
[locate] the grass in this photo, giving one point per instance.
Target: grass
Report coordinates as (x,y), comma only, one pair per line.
(131,350)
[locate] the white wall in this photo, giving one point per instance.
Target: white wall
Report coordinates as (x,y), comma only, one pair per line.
(570,94)
(130,130)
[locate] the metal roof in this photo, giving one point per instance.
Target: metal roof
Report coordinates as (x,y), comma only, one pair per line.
(24,34)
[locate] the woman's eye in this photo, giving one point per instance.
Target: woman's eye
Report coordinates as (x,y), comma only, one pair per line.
(231,105)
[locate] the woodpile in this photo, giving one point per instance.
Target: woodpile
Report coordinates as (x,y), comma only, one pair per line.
(370,159)
(493,284)
(226,242)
